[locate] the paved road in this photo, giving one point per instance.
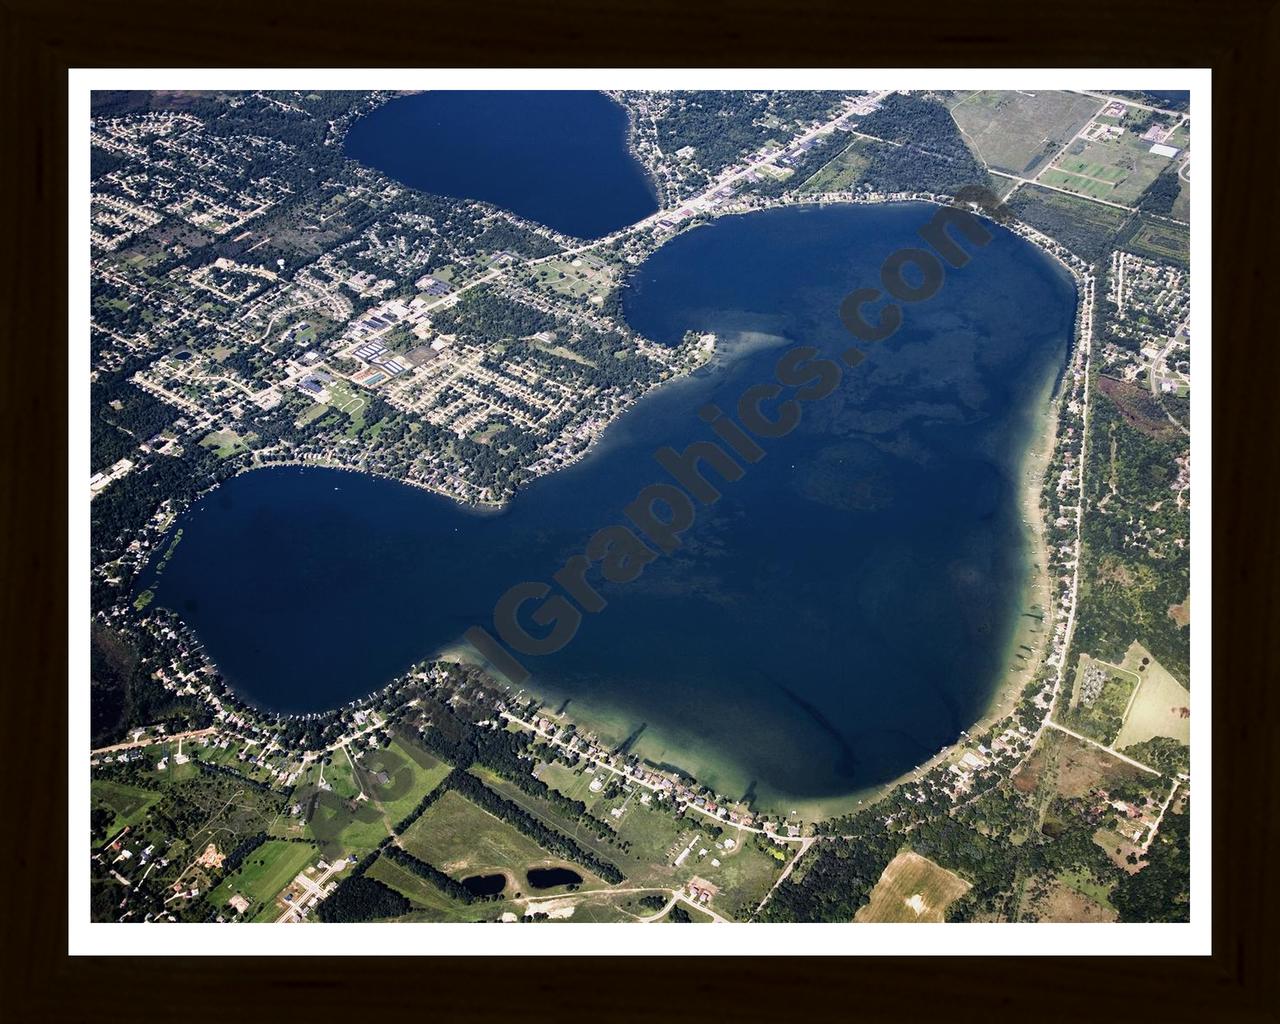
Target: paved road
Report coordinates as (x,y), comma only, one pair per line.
(153,740)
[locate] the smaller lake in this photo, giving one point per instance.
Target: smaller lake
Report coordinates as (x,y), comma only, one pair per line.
(549,878)
(485,885)
(559,158)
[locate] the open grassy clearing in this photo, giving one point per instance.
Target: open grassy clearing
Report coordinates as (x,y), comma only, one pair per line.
(128,803)
(1016,131)
(599,910)
(410,773)
(646,836)
(842,171)
(339,826)
(429,903)
(460,839)
(1083,882)
(745,874)
(1182,204)
(225,443)
(563,352)
(204,807)
(912,889)
(576,278)
(347,398)
(270,868)
(1162,706)
(312,412)
(1066,904)
(1082,768)
(650,838)
(339,777)
(1118,170)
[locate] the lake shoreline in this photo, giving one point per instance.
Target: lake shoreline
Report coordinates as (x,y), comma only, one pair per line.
(1037,453)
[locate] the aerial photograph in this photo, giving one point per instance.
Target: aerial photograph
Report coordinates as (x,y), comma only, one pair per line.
(547,506)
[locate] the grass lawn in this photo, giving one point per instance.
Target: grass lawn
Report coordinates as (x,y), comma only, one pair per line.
(1158,708)
(411,773)
(603,910)
(267,870)
(345,397)
(312,412)
(340,826)
(842,171)
(460,839)
(1083,882)
(130,803)
(1118,170)
(341,779)
(427,900)
(649,833)
(744,875)
(225,442)
(574,278)
(912,889)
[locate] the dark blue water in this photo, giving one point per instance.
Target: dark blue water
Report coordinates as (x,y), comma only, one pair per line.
(549,878)
(842,612)
(485,885)
(559,158)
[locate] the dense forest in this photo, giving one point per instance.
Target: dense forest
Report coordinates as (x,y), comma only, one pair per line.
(1087,229)
(360,898)
(1159,892)
(1162,193)
(123,692)
(1135,569)
(451,887)
(721,126)
(930,154)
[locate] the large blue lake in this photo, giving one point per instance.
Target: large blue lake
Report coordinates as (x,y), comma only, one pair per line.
(559,158)
(842,612)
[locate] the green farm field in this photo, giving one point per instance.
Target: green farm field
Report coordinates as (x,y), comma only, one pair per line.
(460,839)
(1117,170)
(411,774)
(645,834)
(429,903)
(262,876)
(129,803)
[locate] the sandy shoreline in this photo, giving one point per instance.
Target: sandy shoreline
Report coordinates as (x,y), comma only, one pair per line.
(612,726)
(1037,595)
